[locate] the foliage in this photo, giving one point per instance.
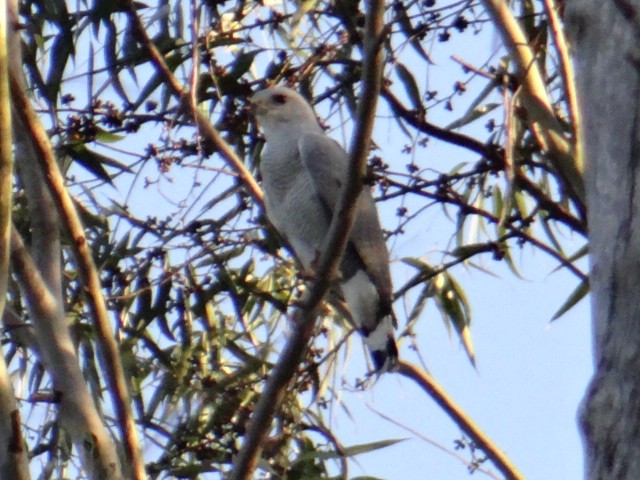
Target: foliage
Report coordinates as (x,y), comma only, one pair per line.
(195,281)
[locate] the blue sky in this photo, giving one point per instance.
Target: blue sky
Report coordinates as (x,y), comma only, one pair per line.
(530,374)
(530,379)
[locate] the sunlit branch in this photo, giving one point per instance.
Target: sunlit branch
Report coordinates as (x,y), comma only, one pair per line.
(499,459)
(13,454)
(568,78)
(562,46)
(536,101)
(88,273)
(78,413)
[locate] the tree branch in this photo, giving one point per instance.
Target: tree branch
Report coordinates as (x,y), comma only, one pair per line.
(488,151)
(499,459)
(89,275)
(335,242)
(14,462)
(203,124)
(78,413)
(43,220)
(418,121)
(536,101)
(562,46)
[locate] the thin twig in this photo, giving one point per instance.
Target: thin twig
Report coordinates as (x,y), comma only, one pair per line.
(514,231)
(471,68)
(536,101)
(419,122)
(442,448)
(488,151)
(336,240)
(88,273)
(568,78)
(499,459)
(203,124)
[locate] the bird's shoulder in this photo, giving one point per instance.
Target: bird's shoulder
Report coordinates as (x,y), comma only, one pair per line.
(319,143)
(322,155)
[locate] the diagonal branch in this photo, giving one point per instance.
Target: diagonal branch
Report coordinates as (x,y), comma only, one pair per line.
(488,151)
(335,242)
(499,459)
(88,273)
(536,101)
(562,46)
(78,413)
(202,123)
(14,462)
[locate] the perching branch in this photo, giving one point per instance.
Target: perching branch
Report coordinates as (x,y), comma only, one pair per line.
(203,124)
(499,459)
(89,275)
(334,245)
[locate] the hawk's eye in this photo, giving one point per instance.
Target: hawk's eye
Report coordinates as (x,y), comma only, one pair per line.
(280,99)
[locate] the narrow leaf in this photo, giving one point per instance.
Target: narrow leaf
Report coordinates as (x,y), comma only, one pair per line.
(91,161)
(350,451)
(410,85)
(472,115)
(410,32)
(578,294)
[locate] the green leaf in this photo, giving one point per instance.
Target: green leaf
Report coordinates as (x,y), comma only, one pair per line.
(350,451)
(581,252)
(173,61)
(61,50)
(578,294)
(486,91)
(410,32)
(111,59)
(419,265)
(420,303)
(242,64)
(472,115)
(410,85)
(88,159)
(467,251)
(453,304)
(550,235)
(103,136)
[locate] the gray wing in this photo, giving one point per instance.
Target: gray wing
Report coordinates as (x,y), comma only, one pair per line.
(327,164)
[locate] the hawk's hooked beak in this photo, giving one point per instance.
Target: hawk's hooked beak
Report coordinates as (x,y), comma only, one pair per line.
(256,108)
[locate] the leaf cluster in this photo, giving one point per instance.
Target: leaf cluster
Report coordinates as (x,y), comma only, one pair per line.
(196,280)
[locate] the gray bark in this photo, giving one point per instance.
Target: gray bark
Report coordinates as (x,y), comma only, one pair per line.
(605,37)
(39,276)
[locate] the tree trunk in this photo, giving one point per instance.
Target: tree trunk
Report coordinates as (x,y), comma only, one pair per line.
(605,37)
